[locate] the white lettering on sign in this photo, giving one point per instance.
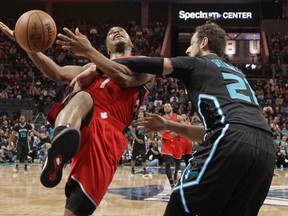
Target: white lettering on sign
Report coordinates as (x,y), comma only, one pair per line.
(237,15)
(224,15)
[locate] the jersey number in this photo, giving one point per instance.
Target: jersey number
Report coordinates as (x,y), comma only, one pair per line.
(241,84)
(22,134)
(103,84)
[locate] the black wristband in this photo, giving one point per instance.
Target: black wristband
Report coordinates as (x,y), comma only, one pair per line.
(151,65)
(99,71)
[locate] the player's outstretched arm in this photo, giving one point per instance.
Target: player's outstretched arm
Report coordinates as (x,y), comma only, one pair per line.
(7,31)
(155,123)
(53,71)
(46,65)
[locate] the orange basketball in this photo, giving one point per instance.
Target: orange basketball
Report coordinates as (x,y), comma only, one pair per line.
(35,31)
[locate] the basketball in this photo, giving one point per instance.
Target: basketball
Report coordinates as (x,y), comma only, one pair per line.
(35,31)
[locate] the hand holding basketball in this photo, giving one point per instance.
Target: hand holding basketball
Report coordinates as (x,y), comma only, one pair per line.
(35,31)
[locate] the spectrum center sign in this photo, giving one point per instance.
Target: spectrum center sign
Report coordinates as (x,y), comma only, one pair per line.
(205,15)
(227,15)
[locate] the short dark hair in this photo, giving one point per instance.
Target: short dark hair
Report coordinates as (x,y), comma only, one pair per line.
(216,37)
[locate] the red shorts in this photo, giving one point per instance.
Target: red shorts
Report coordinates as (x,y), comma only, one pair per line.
(186,146)
(102,146)
(172,147)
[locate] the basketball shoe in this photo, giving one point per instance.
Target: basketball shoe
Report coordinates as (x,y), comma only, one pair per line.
(132,171)
(25,169)
(64,146)
(16,169)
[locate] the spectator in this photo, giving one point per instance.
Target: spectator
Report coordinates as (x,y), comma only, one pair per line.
(282,156)
(157,101)
(278,140)
(174,97)
(8,150)
(284,140)
(127,155)
(153,155)
(284,131)
(3,94)
(278,69)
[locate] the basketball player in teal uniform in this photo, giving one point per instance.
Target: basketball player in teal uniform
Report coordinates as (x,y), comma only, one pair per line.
(232,171)
(139,145)
(22,143)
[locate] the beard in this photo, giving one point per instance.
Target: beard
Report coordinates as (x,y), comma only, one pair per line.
(120,46)
(199,53)
(168,111)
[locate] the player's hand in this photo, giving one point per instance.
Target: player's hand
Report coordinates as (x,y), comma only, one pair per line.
(77,42)
(151,123)
(85,78)
(7,31)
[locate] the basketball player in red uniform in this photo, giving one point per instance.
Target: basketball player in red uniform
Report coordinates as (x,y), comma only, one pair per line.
(186,143)
(171,146)
(102,111)
(102,144)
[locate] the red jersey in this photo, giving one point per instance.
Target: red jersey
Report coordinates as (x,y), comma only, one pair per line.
(112,100)
(167,134)
(171,145)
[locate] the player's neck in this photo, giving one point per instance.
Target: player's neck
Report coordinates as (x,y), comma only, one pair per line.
(169,114)
(208,52)
(119,54)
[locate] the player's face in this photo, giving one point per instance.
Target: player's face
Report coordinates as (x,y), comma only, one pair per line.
(167,108)
(117,40)
(22,119)
(194,49)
